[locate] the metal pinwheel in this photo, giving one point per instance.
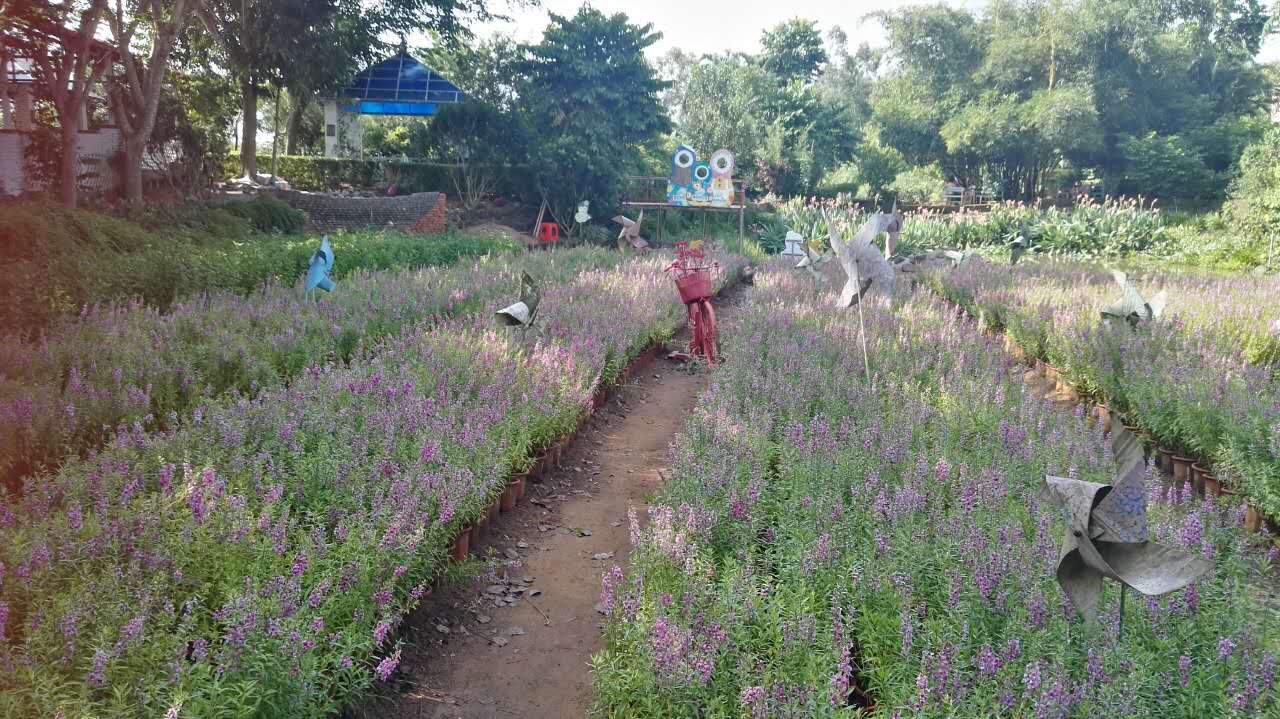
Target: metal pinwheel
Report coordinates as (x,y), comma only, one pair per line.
(1132,306)
(320,267)
(631,231)
(865,267)
(525,312)
(1107,535)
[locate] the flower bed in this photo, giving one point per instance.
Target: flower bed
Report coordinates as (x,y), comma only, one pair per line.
(134,367)
(255,560)
(1201,379)
(822,548)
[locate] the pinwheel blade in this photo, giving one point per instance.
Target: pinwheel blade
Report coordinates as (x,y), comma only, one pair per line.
(1106,535)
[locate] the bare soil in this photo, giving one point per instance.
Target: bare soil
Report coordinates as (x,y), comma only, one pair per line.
(464,657)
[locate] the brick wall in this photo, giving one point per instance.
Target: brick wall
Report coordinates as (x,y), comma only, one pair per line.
(435,222)
(423,212)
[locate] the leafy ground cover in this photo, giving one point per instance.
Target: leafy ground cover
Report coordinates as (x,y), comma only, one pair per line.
(255,560)
(1130,230)
(135,368)
(63,260)
(1201,378)
(821,539)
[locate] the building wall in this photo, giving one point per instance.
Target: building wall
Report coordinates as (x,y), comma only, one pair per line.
(12,145)
(95,149)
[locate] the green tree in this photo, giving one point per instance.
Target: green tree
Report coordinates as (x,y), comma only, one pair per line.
(723,105)
(592,104)
(307,44)
(1032,85)
(479,140)
(135,94)
(69,61)
(487,70)
(849,78)
(793,50)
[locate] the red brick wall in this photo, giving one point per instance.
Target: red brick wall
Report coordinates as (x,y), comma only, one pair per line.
(434,222)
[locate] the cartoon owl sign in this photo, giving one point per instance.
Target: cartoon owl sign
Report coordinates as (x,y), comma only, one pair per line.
(700,184)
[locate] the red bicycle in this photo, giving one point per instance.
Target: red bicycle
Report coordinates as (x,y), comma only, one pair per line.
(692,274)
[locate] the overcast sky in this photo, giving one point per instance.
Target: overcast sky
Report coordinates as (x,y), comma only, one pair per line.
(730,25)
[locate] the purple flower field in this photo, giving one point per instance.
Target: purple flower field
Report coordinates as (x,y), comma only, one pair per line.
(254,555)
(1202,379)
(120,368)
(827,548)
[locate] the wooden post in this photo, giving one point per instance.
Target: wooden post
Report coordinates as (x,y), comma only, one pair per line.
(742,217)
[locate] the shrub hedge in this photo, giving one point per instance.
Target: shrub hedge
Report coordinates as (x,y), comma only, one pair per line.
(327,173)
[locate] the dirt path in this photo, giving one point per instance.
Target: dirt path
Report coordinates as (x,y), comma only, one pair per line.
(467,657)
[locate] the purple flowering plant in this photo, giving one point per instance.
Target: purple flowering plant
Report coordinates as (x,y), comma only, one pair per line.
(895,556)
(257,557)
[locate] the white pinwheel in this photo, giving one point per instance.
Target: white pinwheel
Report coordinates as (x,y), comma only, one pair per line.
(631,231)
(864,265)
(1132,306)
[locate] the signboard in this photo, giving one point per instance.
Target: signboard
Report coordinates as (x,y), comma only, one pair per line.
(700,184)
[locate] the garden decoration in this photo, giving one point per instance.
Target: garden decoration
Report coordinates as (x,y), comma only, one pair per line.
(700,184)
(794,245)
(861,259)
(1017,249)
(583,215)
(1132,307)
(693,280)
(523,313)
(321,266)
(957,257)
(1107,535)
(631,231)
(812,260)
(863,264)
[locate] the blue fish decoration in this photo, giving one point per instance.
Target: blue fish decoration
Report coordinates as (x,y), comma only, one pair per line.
(321,266)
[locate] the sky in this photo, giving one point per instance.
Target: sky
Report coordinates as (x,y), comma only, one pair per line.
(731,25)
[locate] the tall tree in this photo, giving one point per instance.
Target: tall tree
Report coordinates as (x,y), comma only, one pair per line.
(593,101)
(1030,89)
(135,95)
(487,70)
(312,45)
(793,50)
(60,38)
(251,34)
(724,106)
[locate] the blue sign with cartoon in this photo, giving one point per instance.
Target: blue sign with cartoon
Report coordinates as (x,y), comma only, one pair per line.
(700,184)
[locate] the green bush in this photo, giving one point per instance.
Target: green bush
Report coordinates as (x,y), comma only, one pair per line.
(269,215)
(225,221)
(327,173)
(60,260)
(919,185)
(1166,166)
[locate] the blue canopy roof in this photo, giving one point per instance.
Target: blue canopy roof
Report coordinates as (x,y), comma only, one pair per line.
(400,85)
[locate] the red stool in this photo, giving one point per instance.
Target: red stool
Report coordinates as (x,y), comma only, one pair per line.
(549,232)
